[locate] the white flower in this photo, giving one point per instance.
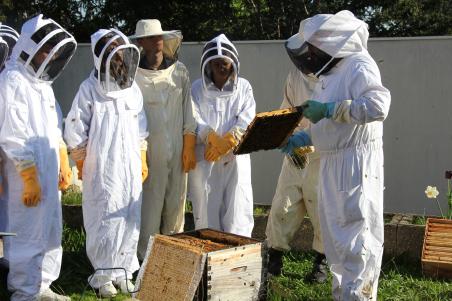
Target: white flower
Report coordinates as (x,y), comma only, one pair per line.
(431,192)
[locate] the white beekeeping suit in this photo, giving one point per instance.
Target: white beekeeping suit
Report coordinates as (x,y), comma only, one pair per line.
(30,140)
(169,111)
(221,191)
(296,191)
(348,108)
(106,130)
(4,50)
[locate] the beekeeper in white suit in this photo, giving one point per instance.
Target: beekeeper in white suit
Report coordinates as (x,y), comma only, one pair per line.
(165,85)
(106,132)
(220,185)
(35,159)
(4,52)
(296,192)
(347,111)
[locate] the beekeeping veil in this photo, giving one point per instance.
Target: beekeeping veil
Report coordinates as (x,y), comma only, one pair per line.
(4,50)
(40,35)
(219,47)
(9,35)
(337,36)
(115,60)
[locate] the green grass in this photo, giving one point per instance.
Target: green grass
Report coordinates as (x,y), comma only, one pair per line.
(75,271)
(261,210)
(72,196)
(399,281)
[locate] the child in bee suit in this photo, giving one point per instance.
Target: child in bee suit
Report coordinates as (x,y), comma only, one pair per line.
(220,185)
(35,159)
(106,133)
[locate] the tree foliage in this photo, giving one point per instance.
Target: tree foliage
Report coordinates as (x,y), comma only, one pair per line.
(239,19)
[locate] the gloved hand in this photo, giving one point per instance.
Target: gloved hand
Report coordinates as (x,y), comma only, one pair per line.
(211,154)
(188,153)
(230,139)
(79,165)
(295,141)
(221,144)
(31,194)
(65,170)
(316,111)
(144,166)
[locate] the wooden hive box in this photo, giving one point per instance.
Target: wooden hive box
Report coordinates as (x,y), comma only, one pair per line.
(437,248)
(233,268)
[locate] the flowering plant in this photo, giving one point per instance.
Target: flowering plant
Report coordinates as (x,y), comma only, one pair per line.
(432,192)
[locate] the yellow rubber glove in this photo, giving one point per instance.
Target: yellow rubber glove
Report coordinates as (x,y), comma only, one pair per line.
(211,154)
(144,166)
(79,165)
(31,194)
(213,140)
(230,140)
(188,153)
(65,170)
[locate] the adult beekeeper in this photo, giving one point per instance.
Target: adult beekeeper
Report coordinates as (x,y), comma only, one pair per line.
(296,192)
(8,38)
(35,158)
(165,85)
(220,185)
(347,110)
(106,132)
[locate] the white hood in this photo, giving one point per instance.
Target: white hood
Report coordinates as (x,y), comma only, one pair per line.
(219,47)
(36,33)
(9,35)
(338,35)
(115,60)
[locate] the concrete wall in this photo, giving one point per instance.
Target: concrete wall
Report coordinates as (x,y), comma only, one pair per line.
(418,131)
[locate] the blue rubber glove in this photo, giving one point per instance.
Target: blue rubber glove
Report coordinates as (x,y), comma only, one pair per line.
(316,111)
(295,141)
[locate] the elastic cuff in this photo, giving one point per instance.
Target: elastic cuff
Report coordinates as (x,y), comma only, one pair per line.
(237,133)
(25,164)
(144,145)
(341,112)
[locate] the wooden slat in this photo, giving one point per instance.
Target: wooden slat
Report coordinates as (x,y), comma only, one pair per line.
(440,234)
(437,253)
(439,249)
(234,253)
(236,273)
(439,258)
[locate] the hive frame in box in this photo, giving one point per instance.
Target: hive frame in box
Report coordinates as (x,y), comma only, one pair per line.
(437,248)
(269,130)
